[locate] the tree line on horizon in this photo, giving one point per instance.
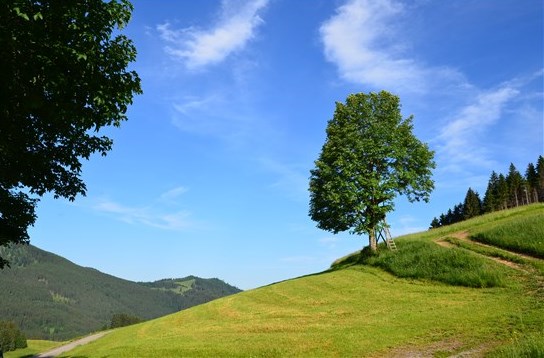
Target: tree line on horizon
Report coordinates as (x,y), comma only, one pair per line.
(503,192)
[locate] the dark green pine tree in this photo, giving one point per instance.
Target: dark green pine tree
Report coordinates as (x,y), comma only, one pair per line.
(515,184)
(458,213)
(531,177)
(502,192)
(435,223)
(540,172)
(491,201)
(472,206)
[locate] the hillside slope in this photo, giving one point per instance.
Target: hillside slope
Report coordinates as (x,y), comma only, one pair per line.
(355,310)
(50,297)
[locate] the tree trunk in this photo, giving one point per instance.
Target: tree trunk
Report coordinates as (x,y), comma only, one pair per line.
(372,240)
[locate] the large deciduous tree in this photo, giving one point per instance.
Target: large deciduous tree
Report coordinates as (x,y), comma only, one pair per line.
(64,76)
(369,157)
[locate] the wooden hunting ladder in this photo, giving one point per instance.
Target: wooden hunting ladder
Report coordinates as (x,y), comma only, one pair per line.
(383,233)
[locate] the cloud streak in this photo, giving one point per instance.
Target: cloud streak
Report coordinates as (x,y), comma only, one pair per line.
(198,48)
(460,141)
(154,215)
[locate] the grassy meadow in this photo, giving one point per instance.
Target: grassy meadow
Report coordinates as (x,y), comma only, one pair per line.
(424,299)
(356,311)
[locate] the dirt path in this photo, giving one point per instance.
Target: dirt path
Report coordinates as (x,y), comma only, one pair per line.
(68,347)
(463,236)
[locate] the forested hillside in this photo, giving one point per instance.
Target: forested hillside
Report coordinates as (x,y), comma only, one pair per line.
(50,297)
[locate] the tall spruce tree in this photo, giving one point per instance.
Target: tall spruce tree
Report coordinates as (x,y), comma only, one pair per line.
(515,184)
(472,206)
(531,177)
(491,200)
(540,172)
(502,192)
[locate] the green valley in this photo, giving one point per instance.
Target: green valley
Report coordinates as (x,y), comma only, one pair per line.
(49,297)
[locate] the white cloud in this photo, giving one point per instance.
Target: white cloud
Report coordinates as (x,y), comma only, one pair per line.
(406,224)
(460,142)
(136,215)
(362,40)
(174,193)
(153,215)
(198,48)
(330,241)
(216,115)
(291,180)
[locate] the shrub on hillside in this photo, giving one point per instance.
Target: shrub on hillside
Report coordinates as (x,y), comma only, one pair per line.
(122,320)
(426,260)
(11,338)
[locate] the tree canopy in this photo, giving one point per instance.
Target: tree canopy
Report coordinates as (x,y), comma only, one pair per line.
(369,157)
(64,75)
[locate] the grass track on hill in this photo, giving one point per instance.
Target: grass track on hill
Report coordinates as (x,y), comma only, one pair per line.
(524,235)
(354,311)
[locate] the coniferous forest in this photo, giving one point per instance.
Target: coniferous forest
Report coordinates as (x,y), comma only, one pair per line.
(48,297)
(503,192)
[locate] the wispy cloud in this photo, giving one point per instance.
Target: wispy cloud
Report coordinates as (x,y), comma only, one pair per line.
(174,193)
(290,179)
(330,241)
(215,115)
(198,48)
(156,214)
(406,224)
(362,40)
(460,142)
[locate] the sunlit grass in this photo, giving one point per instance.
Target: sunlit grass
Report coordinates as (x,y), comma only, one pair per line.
(524,235)
(34,347)
(350,312)
(358,310)
(525,346)
(428,261)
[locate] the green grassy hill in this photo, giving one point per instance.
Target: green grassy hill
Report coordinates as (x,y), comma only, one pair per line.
(423,300)
(50,297)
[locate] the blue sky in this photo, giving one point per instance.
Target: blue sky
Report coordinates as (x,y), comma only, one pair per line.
(209,175)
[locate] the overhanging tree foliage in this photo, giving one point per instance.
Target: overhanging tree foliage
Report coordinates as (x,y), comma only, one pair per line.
(369,157)
(63,77)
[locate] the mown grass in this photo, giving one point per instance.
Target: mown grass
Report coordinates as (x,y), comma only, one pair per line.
(34,347)
(356,310)
(524,235)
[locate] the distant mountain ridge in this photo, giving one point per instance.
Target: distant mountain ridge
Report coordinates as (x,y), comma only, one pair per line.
(50,297)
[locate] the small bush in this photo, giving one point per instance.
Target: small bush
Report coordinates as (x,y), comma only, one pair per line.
(426,260)
(123,320)
(11,338)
